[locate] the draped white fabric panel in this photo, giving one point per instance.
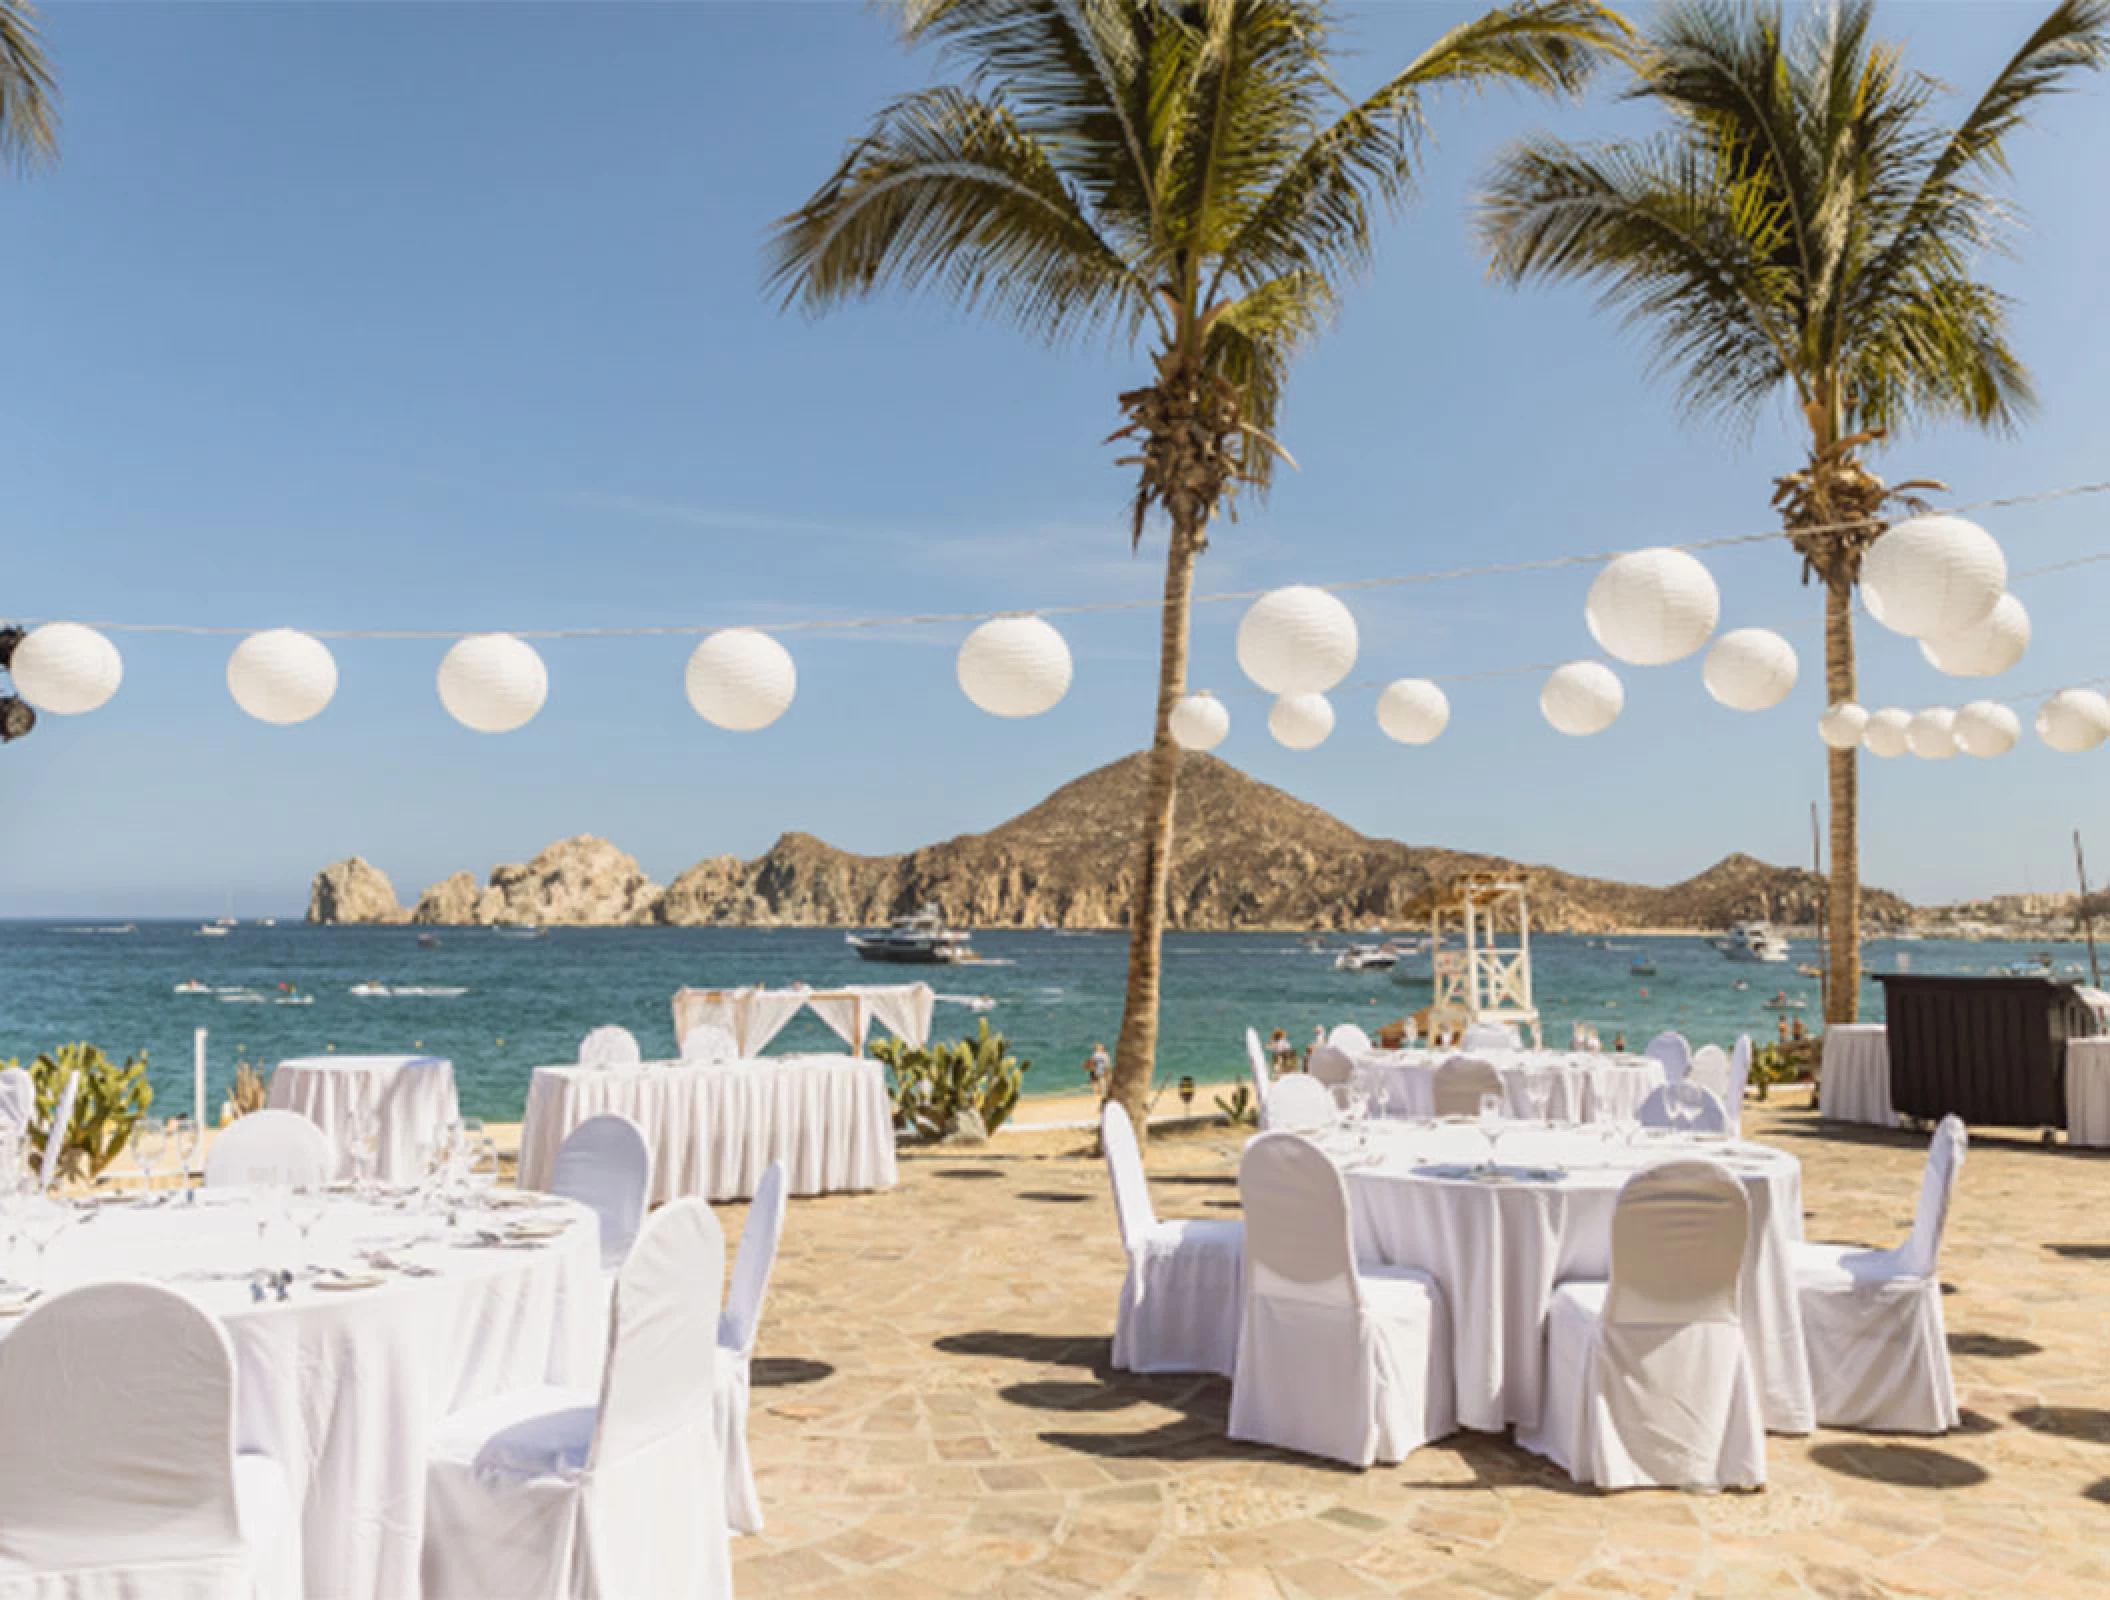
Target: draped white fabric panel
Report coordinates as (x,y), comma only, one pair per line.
(754,1016)
(1853,1084)
(2088,1091)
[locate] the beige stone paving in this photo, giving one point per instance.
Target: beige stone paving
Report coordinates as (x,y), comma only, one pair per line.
(934,1415)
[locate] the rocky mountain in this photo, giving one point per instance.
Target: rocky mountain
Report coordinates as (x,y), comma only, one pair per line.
(1250,856)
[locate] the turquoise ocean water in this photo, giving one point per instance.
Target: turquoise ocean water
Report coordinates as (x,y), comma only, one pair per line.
(526,1002)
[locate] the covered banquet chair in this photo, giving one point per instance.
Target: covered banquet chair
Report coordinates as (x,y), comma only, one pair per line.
(1491,1036)
(1349,1363)
(737,1328)
(1872,1319)
(270,1147)
(1457,1085)
(18,1100)
(1330,1065)
(569,1494)
(611,1045)
(709,1044)
(605,1164)
(1707,1113)
(1180,1302)
(1298,1100)
(1648,1380)
(55,1134)
(1673,1051)
(121,1480)
(1256,1064)
(1350,1038)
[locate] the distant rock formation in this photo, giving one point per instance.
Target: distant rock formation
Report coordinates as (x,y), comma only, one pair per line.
(354,890)
(1248,856)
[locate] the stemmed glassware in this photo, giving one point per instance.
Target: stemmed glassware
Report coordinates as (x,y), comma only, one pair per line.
(44,1220)
(483,1169)
(1491,1125)
(362,1143)
(182,1135)
(149,1142)
(1538,1089)
(305,1204)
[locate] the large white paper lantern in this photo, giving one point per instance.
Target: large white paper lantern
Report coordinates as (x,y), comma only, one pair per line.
(2074,720)
(1301,721)
(1842,724)
(1750,669)
(1653,606)
(493,682)
(740,679)
(66,668)
(281,676)
(1413,710)
(1298,640)
(1015,666)
(1200,721)
(1987,728)
(1933,577)
(1887,732)
(1985,650)
(1932,735)
(1583,697)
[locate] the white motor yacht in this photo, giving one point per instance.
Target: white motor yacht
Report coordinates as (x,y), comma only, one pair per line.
(1753,941)
(921,937)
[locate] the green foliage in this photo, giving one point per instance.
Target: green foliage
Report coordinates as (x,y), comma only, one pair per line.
(1785,1063)
(110,1100)
(1241,1107)
(931,1086)
(250,1093)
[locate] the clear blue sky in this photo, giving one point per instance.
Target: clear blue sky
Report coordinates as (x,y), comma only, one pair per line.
(450,316)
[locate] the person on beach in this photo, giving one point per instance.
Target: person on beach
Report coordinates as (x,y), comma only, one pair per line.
(1281,1052)
(1099,1066)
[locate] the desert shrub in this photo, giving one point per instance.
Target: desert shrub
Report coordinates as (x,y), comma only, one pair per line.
(932,1086)
(110,1100)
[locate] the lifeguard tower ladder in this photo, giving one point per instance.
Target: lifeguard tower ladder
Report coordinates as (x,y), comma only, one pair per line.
(1480,955)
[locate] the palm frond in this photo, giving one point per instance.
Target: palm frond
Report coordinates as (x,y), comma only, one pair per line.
(1250,343)
(28,93)
(2075,37)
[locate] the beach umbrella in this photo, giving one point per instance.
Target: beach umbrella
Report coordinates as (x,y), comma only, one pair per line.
(281,677)
(1985,649)
(1413,710)
(740,679)
(1200,721)
(1301,721)
(2074,720)
(493,682)
(1014,666)
(1583,697)
(1750,669)
(1298,640)
(66,668)
(1842,724)
(1886,732)
(1933,577)
(1987,728)
(1932,734)
(1652,607)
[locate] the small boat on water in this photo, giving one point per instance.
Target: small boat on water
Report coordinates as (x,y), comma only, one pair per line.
(1783,1001)
(1809,969)
(212,930)
(1642,967)
(519,930)
(1753,941)
(1366,958)
(193,986)
(921,938)
(428,941)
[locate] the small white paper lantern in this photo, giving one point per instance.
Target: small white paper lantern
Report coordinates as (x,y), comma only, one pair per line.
(1842,724)
(1987,728)
(1015,666)
(1413,710)
(2074,720)
(493,682)
(66,668)
(1298,640)
(1582,698)
(1750,669)
(1200,721)
(1653,606)
(1932,735)
(1933,577)
(740,679)
(1301,721)
(1886,734)
(1986,650)
(282,677)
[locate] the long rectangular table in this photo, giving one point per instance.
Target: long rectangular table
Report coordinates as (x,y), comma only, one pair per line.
(1854,1082)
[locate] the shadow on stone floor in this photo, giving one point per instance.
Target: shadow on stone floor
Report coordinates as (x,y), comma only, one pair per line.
(1093,1351)
(2098,1491)
(965,1172)
(777,1372)
(1225,1180)
(2081,1252)
(1991,1344)
(2068,1422)
(1911,1466)
(1053,1197)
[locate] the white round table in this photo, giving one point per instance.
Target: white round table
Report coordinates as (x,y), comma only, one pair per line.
(1499,1248)
(407,1096)
(1584,1086)
(2088,1091)
(1853,1080)
(341,1387)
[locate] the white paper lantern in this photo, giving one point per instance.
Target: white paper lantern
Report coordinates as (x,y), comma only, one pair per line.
(1932,735)
(1015,666)
(2074,720)
(1933,577)
(1413,710)
(740,679)
(1750,669)
(1301,721)
(1842,724)
(1986,650)
(1297,640)
(1886,732)
(493,682)
(1199,722)
(1653,606)
(1583,697)
(1987,728)
(280,676)
(66,668)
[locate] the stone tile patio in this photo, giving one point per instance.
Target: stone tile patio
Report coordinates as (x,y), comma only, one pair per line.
(934,1415)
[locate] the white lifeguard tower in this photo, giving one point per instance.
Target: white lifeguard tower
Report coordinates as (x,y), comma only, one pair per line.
(1480,955)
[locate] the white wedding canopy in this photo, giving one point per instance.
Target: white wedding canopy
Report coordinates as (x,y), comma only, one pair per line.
(756,1015)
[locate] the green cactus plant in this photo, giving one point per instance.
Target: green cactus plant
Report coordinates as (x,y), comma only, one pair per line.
(931,1086)
(1242,1109)
(111,1099)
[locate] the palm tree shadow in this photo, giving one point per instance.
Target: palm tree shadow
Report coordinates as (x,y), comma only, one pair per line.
(1914,1466)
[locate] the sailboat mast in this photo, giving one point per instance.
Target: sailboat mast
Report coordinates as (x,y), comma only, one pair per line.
(2080,868)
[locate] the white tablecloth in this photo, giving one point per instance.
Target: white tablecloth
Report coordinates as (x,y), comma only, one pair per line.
(1500,1248)
(1853,1081)
(715,1127)
(411,1095)
(2088,1091)
(1585,1086)
(343,1387)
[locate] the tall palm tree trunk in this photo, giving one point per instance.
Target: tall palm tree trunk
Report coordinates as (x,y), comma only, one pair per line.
(1842,999)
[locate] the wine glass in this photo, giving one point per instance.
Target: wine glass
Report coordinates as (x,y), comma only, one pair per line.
(1538,1089)
(149,1142)
(362,1142)
(305,1204)
(483,1169)
(1491,1125)
(182,1133)
(44,1219)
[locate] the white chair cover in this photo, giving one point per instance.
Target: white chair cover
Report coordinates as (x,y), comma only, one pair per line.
(1179,1306)
(1353,1366)
(1711,1071)
(121,1480)
(1491,1036)
(1457,1085)
(1331,1065)
(553,1495)
(610,1046)
(707,1043)
(1648,1381)
(1350,1038)
(1739,1081)
(1256,1063)
(1708,1113)
(18,1099)
(1298,1100)
(605,1163)
(737,1327)
(270,1146)
(1872,1319)
(61,1125)
(1673,1051)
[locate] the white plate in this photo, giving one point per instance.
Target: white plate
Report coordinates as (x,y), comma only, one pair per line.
(349,1280)
(536,1230)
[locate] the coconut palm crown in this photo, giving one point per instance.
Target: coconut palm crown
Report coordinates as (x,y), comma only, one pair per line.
(1184,178)
(1806,227)
(28,119)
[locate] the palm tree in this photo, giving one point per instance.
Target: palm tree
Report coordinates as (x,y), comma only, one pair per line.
(1184,176)
(28,122)
(1805,227)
